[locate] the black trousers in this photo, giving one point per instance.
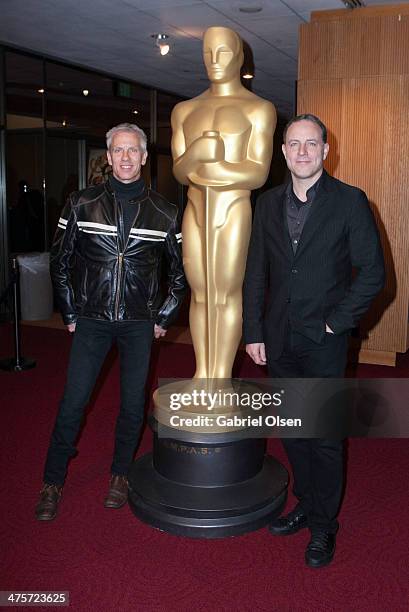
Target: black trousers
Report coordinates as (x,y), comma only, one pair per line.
(91,343)
(317,464)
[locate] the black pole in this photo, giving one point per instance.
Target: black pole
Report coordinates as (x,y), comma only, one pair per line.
(16,303)
(16,363)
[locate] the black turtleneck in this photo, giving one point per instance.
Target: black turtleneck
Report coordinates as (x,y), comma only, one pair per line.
(126,193)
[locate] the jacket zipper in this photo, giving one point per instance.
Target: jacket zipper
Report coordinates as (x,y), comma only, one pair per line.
(118,284)
(119,257)
(121,254)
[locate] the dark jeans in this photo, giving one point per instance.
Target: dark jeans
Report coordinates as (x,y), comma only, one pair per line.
(91,343)
(317,464)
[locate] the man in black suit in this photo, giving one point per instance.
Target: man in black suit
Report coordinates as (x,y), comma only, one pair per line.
(307,238)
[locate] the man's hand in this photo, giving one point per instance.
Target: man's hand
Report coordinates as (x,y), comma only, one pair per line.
(159,331)
(71,327)
(257,351)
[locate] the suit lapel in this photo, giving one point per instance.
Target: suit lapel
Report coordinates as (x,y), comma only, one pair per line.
(318,213)
(281,232)
(313,223)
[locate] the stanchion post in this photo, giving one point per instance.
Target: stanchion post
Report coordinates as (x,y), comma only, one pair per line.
(16,309)
(16,363)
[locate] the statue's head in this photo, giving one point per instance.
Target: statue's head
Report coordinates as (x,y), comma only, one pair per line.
(223,54)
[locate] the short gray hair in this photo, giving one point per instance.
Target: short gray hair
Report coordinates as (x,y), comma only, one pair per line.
(127,127)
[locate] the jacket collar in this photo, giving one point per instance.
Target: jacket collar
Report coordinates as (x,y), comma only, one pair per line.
(322,185)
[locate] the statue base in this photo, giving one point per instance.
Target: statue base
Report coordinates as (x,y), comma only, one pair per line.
(204,485)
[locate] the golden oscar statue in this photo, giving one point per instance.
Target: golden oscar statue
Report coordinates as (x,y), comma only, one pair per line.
(222,146)
(203,479)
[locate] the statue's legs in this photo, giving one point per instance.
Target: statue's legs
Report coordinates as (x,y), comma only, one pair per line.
(227,262)
(216,234)
(194,251)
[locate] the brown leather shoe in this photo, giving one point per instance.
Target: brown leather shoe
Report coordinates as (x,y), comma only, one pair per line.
(118,492)
(46,509)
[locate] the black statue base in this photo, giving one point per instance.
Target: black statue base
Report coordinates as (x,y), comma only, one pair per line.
(207,486)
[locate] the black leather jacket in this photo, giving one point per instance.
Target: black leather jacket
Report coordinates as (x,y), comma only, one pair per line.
(98,274)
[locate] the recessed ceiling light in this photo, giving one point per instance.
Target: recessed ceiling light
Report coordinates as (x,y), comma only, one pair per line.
(40,90)
(64,122)
(85,92)
(160,42)
(135,112)
(250,9)
(353,4)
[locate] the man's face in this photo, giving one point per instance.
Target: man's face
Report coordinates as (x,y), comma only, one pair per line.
(126,156)
(304,150)
(220,54)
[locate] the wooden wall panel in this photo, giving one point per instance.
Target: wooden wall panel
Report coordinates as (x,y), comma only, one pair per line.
(353,48)
(327,106)
(361,13)
(370,160)
(365,104)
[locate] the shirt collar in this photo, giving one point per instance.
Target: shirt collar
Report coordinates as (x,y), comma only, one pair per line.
(311,192)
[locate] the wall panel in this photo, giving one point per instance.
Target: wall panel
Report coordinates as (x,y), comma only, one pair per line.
(354,74)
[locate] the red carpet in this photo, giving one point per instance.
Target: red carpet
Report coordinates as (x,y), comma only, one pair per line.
(108,560)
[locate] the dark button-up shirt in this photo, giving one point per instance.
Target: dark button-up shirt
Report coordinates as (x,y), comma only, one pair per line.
(298,211)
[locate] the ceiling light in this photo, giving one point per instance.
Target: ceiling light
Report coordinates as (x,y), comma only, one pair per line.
(64,123)
(250,9)
(85,92)
(160,42)
(248,75)
(135,112)
(40,90)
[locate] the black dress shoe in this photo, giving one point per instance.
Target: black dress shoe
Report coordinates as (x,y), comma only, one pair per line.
(287,525)
(320,551)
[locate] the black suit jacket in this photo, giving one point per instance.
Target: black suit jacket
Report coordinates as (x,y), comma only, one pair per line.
(316,285)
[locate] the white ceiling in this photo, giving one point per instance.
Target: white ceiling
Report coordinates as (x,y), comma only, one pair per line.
(115,36)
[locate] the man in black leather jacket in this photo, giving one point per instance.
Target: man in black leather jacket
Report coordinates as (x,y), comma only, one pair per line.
(106,261)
